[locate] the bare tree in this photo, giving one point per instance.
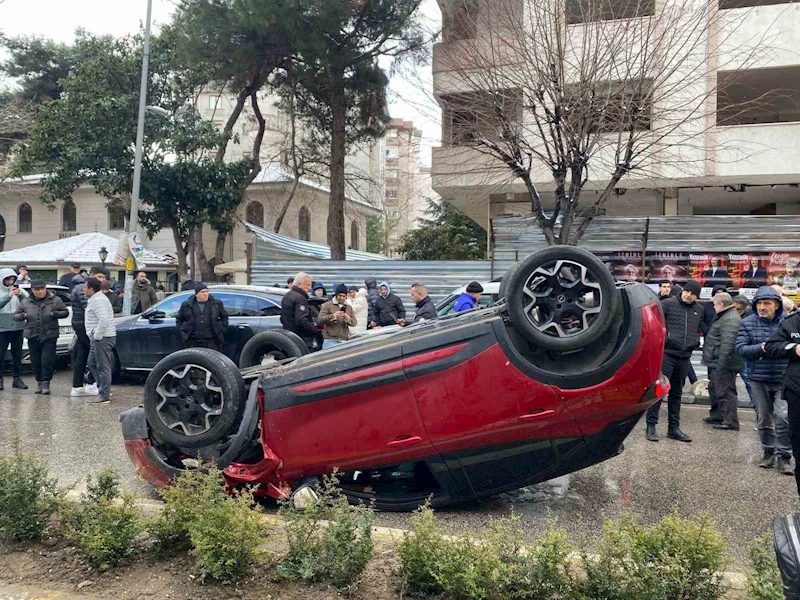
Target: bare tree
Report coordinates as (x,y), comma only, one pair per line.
(575,95)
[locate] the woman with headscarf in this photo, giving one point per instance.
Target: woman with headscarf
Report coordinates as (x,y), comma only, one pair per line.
(11,330)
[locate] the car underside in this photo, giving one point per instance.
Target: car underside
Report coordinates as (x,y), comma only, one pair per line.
(549,380)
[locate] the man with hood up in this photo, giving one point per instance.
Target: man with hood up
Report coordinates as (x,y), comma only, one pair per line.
(389,309)
(11,330)
(372,297)
(766,379)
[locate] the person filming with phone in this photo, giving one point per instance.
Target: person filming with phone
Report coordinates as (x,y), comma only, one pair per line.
(336,317)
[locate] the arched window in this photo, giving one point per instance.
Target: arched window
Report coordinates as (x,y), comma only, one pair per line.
(116,217)
(255,214)
(354,235)
(25,218)
(304,225)
(69,217)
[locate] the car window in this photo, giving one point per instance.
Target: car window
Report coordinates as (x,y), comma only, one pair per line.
(447,308)
(234,303)
(170,306)
(257,306)
(64,295)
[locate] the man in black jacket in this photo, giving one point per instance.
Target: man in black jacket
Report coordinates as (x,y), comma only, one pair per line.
(295,311)
(425,307)
(785,344)
(389,309)
(202,320)
(66,279)
(683,318)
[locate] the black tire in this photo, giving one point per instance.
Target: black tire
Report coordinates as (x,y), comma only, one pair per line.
(182,408)
(550,310)
(281,343)
(501,292)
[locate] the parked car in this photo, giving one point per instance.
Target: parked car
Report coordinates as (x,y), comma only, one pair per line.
(549,381)
(491,292)
(144,340)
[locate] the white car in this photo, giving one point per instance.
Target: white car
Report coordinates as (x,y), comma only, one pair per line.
(65,331)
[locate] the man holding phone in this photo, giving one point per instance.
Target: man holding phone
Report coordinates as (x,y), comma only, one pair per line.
(336,317)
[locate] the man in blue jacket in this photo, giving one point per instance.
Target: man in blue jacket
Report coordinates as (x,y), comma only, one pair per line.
(469,298)
(766,379)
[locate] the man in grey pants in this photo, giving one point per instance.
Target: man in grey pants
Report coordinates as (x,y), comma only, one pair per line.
(100,328)
(766,379)
(722,361)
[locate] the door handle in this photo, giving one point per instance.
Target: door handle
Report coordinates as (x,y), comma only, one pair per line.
(537,415)
(242,326)
(409,441)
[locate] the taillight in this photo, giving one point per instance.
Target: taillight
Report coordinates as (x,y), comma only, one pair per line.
(658,390)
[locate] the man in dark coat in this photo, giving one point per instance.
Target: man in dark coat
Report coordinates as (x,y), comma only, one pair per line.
(41,311)
(143,294)
(389,309)
(766,379)
(66,279)
(113,297)
(709,314)
(202,320)
(683,317)
(372,297)
(295,311)
(719,355)
(426,310)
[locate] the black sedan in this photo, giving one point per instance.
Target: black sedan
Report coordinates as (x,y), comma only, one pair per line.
(254,333)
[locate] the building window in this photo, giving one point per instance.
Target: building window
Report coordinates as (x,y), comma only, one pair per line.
(69,217)
(612,107)
(392,133)
(304,225)
(213,102)
(391,173)
(591,11)
(471,116)
(391,153)
(255,214)
(391,193)
(460,20)
(116,217)
(756,96)
(25,218)
(354,235)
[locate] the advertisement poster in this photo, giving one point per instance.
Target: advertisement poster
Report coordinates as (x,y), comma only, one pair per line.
(743,271)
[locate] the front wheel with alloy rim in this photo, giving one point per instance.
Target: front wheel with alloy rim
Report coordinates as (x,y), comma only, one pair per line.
(271,346)
(194,397)
(561,298)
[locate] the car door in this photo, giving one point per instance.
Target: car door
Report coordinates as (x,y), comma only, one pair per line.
(268,308)
(493,425)
(148,341)
(243,322)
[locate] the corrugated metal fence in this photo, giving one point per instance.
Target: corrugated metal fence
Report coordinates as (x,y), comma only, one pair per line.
(440,277)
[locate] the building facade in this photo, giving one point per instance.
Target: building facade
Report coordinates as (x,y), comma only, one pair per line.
(743,154)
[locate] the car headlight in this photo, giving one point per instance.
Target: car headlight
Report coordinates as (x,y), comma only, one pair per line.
(65,330)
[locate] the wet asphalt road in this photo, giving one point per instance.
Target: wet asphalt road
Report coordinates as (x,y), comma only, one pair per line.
(716,473)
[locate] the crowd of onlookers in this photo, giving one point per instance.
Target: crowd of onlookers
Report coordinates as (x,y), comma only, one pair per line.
(758,341)
(353,310)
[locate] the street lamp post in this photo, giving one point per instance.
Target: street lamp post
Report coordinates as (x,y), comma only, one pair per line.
(103,254)
(137,164)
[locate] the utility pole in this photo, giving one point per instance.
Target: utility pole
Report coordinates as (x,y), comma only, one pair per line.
(133,221)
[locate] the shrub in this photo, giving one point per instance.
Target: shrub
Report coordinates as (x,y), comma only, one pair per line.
(336,552)
(190,490)
(225,534)
(763,578)
(497,564)
(28,497)
(676,558)
(104,524)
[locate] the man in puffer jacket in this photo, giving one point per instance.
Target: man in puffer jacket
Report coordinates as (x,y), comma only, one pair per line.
(766,379)
(469,298)
(683,317)
(40,313)
(719,355)
(389,309)
(11,330)
(372,297)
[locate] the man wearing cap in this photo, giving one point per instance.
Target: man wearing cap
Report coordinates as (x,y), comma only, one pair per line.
(66,279)
(41,311)
(683,318)
(336,317)
(469,298)
(202,320)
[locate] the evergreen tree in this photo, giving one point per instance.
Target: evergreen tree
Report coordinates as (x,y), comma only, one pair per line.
(448,234)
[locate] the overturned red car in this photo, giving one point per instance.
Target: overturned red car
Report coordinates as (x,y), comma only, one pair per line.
(549,380)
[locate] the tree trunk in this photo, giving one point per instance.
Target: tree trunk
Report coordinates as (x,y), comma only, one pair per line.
(180,251)
(285,207)
(338,152)
(219,249)
(200,255)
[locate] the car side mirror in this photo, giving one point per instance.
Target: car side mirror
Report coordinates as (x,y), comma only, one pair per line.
(155,315)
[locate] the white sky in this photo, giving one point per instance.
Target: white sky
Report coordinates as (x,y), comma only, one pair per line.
(58,19)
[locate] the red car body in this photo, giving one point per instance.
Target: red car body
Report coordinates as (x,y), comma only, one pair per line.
(455,408)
